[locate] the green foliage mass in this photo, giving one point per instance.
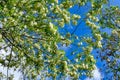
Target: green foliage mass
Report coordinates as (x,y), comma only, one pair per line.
(30,30)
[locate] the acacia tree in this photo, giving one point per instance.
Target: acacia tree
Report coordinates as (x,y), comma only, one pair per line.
(110,53)
(30,29)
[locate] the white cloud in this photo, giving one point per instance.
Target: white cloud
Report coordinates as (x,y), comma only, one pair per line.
(96,75)
(16,73)
(64,47)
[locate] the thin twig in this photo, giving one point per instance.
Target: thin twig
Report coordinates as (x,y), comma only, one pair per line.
(9,63)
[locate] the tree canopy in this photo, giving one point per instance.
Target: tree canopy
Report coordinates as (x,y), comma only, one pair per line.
(110,53)
(30,28)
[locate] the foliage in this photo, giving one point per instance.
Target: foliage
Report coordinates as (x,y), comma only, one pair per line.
(30,29)
(110,53)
